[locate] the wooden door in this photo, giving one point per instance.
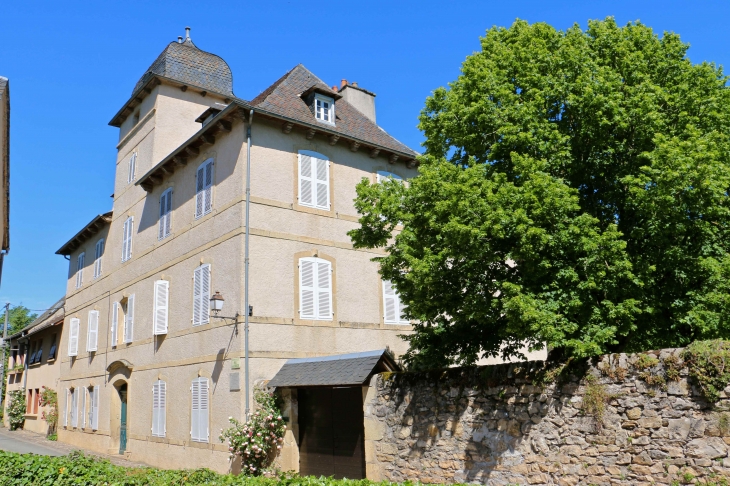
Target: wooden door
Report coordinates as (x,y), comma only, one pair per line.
(331,432)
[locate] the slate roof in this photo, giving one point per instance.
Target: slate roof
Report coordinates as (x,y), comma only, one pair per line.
(86,232)
(44,321)
(185,63)
(283,98)
(338,370)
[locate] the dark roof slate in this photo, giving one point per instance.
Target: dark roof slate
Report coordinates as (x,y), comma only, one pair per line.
(44,320)
(338,370)
(185,63)
(283,98)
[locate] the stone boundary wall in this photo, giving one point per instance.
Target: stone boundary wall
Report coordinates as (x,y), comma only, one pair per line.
(497,425)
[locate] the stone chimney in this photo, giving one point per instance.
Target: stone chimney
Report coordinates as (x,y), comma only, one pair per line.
(361,99)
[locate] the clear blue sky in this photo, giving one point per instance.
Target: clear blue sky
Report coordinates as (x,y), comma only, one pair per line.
(72,66)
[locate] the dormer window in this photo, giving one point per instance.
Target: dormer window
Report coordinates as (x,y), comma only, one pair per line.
(324,109)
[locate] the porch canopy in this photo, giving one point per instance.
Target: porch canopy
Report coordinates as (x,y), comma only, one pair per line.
(353,369)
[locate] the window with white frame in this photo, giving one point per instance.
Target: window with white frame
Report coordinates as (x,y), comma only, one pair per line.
(392,305)
(97,257)
(93,414)
(324,109)
(127,231)
(73,337)
(315,289)
(131,167)
(165,225)
(201,295)
(162,291)
(314,180)
(80,269)
(128,309)
(92,336)
(199,417)
(204,189)
(159,403)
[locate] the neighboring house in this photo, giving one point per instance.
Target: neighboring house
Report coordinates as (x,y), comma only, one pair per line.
(34,363)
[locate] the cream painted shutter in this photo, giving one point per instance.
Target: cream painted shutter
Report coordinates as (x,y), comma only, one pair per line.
(73,337)
(115,322)
(306,289)
(324,290)
(84,392)
(159,398)
(161,304)
(66,408)
(130,230)
(208,187)
(124,240)
(95,408)
(322,182)
(97,257)
(74,407)
(199,426)
(197,280)
(93,334)
(201,295)
(200,192)
(195,416)
(129,320)
(306,184)
(390,302)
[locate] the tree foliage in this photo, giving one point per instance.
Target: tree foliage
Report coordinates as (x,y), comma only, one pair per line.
(574,192)
(19,317)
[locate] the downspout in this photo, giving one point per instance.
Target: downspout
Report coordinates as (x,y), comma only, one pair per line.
(245,260)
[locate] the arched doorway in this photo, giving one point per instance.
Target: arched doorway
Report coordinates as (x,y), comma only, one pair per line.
(120,373)
(122,391)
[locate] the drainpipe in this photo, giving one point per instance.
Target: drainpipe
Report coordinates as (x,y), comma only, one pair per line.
(245,279)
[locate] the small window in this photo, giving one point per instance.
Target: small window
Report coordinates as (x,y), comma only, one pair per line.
(204,189)
(165,225)
(201,295)
(324,109)
(315,289)
(128,309)
(392,305)
(52,352)
(92,336)
(384,175)
(132,167)
(127,238)
(73,337)
(80,270)
(314,180)
(97,257)
(199,417)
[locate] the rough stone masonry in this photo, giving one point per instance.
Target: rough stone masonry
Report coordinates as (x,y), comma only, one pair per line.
(625,419)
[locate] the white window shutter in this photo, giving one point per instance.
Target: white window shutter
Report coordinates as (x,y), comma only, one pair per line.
(306,289)
(205,294)
(75,408)
(321,176)
(306,184)
(208,187)
(324,290)
(66,408)
(84,391)
(204,429)
(159,391)
(130,231)
(163,207)
(132,167)
(95,408)
(115,322)
(73,337)
(168,214)
(197,282)
(195,416)
(80,270)
(200,192)
(390,302)
(97,257)
(129,320)
(161,306)
(93,333)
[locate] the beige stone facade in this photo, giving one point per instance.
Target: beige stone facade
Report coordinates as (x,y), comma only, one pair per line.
(33,363)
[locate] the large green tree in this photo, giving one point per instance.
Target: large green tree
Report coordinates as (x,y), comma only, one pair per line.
(18,317)
(574,192)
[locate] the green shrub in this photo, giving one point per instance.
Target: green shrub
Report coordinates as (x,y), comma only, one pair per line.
(16,409)
(709,366)
(78,469)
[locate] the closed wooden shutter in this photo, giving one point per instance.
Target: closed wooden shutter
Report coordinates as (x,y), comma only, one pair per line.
(93,334)
(97,257)
(129,320)
(159,391)
(199,415)
(73,337)
(165,223)
(115,322)
(95,408)
(127,238)
(306,185)
(322,182)
(199,192)
(80,270)
(161,303)
(315,288)
(208,187)
(201,295)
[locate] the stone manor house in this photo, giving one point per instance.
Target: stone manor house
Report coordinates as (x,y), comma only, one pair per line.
(146,369)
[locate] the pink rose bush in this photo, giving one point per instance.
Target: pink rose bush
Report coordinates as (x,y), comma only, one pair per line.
(258,440)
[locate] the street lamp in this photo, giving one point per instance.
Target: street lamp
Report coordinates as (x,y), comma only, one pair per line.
(216,303)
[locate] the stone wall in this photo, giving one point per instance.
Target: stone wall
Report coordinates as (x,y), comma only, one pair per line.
(516,424)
